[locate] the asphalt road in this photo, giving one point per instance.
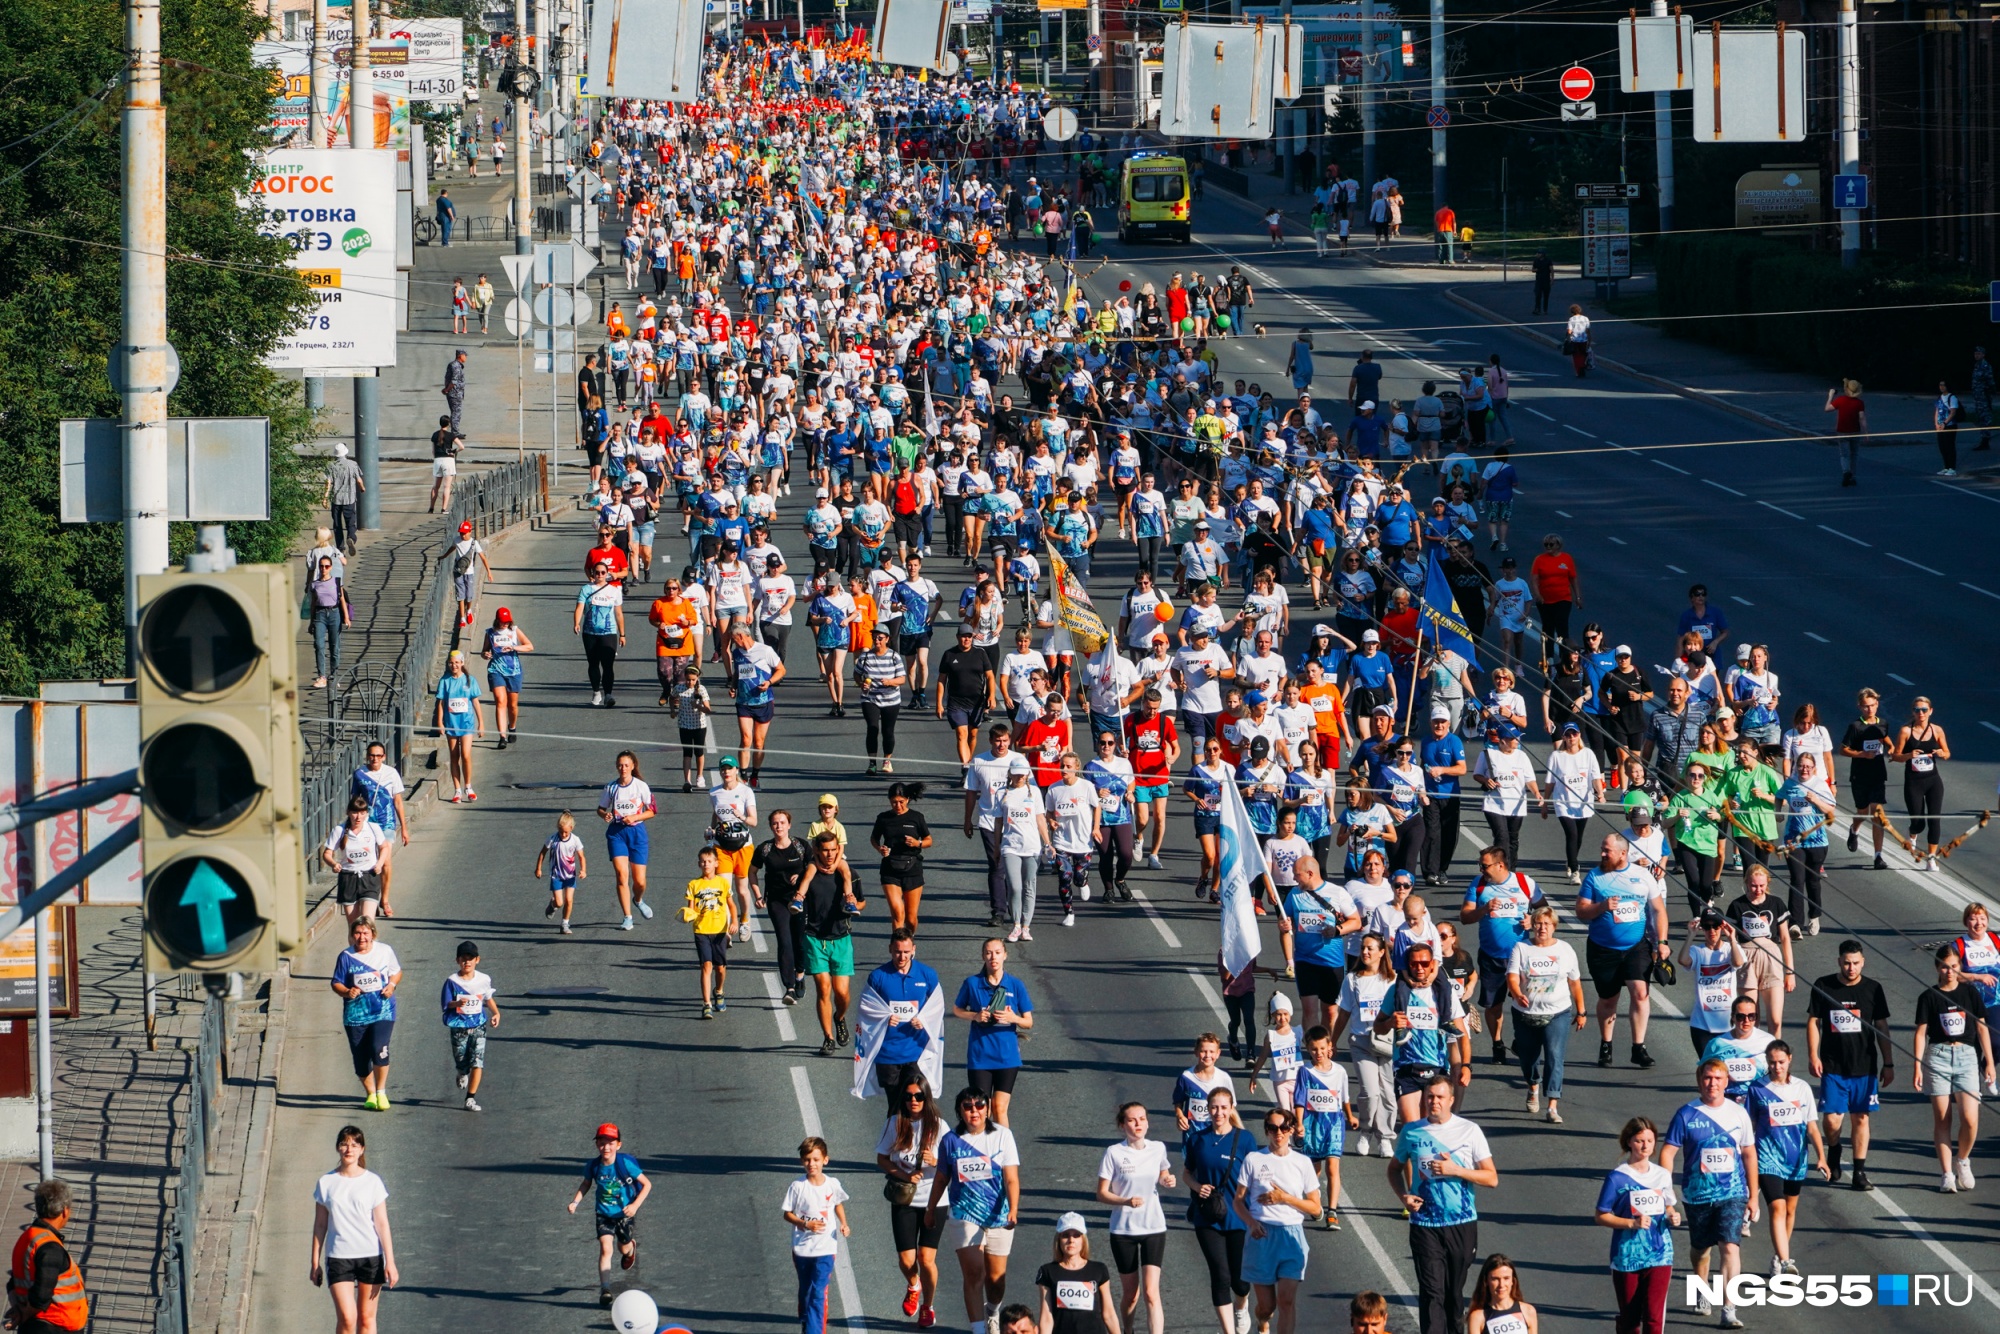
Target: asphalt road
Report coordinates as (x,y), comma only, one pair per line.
(714,1110)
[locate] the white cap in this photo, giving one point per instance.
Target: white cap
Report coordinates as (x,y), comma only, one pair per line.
(1368,405)
(1072,1222)
(339,450)
(1370,637)
(1440,714)
(1017,763)
(1622,651)
(1280,1001)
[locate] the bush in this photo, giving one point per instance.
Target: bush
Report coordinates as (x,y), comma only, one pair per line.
(1886,326)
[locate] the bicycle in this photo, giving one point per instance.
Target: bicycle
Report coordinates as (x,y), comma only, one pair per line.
(423,230)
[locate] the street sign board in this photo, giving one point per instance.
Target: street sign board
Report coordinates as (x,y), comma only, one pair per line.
(517,267)
(1655,55)
(1437,118)
(1608,190)
(218,470)
(1607,242)
(516,316)
(1750,87)
(1577,83)
(1579,111)
(1850,192)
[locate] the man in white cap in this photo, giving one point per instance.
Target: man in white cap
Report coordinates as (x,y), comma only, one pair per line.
(344,485)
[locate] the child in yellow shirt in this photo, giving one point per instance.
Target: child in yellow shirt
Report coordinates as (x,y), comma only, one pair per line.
(711,911)
(829,822)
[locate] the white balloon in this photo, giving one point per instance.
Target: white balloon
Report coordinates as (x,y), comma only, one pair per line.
(634,1313)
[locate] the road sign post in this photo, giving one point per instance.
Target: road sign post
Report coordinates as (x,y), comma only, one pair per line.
(1577,83)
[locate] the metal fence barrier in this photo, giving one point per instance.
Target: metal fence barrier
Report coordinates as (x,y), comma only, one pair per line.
(207,1069)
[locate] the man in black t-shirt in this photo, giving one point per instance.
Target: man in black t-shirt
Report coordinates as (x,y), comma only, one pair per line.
(782,860)
(965,690)
(1847,1041)
(1867,745)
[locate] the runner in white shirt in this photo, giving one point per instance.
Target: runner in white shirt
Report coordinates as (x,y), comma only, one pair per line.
(1129,1178)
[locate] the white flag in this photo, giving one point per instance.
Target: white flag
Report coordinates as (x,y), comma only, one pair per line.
(930,408)
(1242,863)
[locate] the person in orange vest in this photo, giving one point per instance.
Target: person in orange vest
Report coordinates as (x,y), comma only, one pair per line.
(44,1286)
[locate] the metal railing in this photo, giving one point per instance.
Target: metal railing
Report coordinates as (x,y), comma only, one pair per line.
(501,497)
(207,1069)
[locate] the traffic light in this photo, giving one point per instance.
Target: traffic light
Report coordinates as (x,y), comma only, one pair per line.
(219,770)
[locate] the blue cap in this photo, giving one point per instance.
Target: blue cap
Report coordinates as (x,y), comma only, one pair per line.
(1506,731)
(1256,697)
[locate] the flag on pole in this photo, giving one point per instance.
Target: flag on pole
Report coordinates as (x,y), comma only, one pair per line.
(1242,864)
(1439,610)
(1074,610)
(930,408)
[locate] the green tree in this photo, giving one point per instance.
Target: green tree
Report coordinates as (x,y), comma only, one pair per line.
(229,298)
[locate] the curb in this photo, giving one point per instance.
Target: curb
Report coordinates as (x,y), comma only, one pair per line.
(246,1234)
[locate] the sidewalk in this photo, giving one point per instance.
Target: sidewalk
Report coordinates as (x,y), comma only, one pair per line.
(1781,400)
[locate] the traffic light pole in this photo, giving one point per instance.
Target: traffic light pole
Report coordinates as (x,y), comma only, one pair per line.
(524,215)
(1850,128)
(143,269)
(1438,199)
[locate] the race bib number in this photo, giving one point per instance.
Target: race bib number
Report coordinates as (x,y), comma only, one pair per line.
(975,1170)
(1311,921)
(1742,1069)
(1756,926)
(1981,957)
(459,704)
(1197,1110)
(1787,1114)
(1646,1203)
(1511,1323)
(1323,1100)
(1074,1295)
(626,803)
(1627,910)
(901,1012)
(1717,996)
(470,1005)
(1285,1062)
(1844,1021)
(1953,1023)
(1871,748)
(1922,762)
(505,641)
(1505,909)
(1718,1162)
(1402,794)
(368,983)
(1421,1017)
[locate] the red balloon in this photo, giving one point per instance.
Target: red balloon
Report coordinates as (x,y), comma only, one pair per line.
(1125,286)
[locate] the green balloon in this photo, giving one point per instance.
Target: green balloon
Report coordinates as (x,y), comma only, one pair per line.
(1222,321)
(1187,324)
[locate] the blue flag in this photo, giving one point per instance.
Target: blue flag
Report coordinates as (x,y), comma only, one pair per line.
(1440,615)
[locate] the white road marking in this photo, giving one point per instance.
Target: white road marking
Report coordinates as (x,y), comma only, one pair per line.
(1585,434)
(756,934)
(1743,601)
(1207,990)
(787,1031)
(1977,589)
(1941,885)
(1619,540)
(1988,726)
(1720,487)
(1664,1004)
(1670,467)
(1951,486)
(1543,415)
(1159,922)
(1782,510)
(1901,680)
(1818,639)
(843,1263)
(1913,564)
(1837,533)
(1397,1284)
(1937,1248)
(1677,569)
(1565,513)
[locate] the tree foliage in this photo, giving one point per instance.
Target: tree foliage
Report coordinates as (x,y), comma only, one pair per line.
(229,298)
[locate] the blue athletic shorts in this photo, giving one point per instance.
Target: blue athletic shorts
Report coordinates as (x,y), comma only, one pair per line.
(1841,1094)
(627,840)
(1279,1253)
(504,681)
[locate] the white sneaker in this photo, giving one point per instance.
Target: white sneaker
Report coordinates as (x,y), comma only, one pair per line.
(1947,472)
(596,699)
(1777,1266)
(462,1082)
(1069,919)
(1153,861)
(645,909)
(472,1104)
(1243,1320)
(1965,1174)
(1948,1184)
(1385,1148)
(1086,893)
(1027,934)
(1361,1146)
(565,928)
(625,925)
(1014,935)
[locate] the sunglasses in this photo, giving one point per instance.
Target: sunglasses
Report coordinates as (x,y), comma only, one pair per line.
(914,1095)
(971,1103)
(1275,1128)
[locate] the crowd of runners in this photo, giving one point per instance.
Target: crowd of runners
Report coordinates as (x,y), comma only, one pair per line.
(838,398)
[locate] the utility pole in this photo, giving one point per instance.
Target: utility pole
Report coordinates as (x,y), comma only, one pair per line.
(1663,136)
(524,218)
(1284,116)
(1368,62)
(367,388)
(1437,100)
(143,269)
(319,134)
(1850,127)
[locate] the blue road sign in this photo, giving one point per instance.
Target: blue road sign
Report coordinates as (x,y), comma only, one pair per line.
(1437,118)
(1850,192)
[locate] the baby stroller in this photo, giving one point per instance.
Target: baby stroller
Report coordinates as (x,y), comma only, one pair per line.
(1452,419)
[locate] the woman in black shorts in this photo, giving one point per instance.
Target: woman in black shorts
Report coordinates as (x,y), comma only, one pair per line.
(1866,745)
(907,1155)
(900,835)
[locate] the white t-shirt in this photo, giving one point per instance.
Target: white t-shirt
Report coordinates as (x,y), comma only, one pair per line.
(912,1158)
(350,1214)
(1110,678)
(803,1199)
(1134,1172)
(1020,836)
(357,851)
(1361,997)
(1545,972)
(1202,670)
(1015,670)
(1513,773)
(1573,778)
(987,777)
(626,800)
(1070,807)
(1291,1172)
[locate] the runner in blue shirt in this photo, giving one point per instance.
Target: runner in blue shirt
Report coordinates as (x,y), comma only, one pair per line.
(1499,900)
(1785,1116)
(1637,1203)
(1626,912)
(616,1184)
(1442,756)
(1719,1179)
(996,1004)
(1438,1160)
(1427,1020)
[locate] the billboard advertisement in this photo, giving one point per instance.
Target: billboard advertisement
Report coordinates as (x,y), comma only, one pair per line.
(337,207)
